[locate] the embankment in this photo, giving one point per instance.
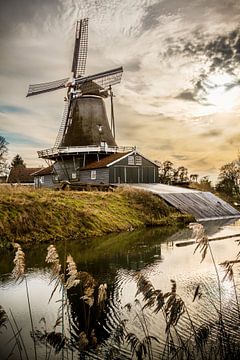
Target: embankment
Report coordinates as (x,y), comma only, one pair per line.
(28,215)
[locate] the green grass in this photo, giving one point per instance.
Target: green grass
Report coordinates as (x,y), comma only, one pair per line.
(29,215)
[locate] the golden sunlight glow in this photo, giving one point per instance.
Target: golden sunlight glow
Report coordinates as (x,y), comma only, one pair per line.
(221,92)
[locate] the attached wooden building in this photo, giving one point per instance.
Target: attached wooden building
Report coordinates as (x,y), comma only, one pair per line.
(44,177)
(121,168)
(117,168)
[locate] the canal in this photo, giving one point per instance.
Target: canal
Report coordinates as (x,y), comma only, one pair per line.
(119,260)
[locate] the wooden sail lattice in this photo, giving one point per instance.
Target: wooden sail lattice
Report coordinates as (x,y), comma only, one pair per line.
(80,49)
(102,79)
(46,87)
(62,128)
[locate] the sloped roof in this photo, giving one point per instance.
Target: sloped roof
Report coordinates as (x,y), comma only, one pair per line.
(21,174)
(112,159)
(105,161)
(44,171)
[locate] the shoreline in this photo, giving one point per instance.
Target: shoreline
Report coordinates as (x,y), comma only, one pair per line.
(30,215)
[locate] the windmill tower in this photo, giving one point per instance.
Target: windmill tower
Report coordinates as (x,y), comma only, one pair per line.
(84,134)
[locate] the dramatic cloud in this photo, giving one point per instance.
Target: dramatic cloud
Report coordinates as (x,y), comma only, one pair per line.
(212,133)
(180,94)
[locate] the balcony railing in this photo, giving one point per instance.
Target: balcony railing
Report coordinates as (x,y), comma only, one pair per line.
(74,150)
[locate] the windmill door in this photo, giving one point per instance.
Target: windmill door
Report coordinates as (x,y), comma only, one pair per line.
(132,174)
(125,174)
(148,174)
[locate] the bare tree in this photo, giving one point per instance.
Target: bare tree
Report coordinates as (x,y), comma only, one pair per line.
(3,152)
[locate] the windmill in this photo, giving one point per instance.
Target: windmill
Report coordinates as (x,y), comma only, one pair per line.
(84,134)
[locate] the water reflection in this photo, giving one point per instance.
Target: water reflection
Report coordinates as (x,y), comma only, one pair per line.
(116,260)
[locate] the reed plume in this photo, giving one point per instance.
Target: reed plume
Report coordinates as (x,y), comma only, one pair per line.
(102,293)
(53,258)
(174,307)
(228,267)
(72,273)
(88,284)
(19,263)
(83,341)
(198,233)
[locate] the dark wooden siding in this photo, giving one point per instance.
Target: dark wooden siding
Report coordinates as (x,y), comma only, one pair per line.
(65,169)
(102,176)
(44,181)
(122,172)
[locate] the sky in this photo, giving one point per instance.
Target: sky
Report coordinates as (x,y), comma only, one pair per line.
(179,98)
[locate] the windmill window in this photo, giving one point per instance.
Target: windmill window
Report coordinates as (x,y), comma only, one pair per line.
(93,174)
(138,160)
(74,175)
(130,160)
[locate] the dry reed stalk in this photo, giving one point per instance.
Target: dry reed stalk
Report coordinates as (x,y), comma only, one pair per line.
(201,238)
(19,263)
(174,307)
(53,258)
(83,341)
(228,267)
(102,293)
(3,318)
(72,273)
(229,274)
(18,272)
(88,285)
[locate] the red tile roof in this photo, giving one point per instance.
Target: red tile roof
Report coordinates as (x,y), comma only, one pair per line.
(21,174)
(105,161)
(44,171)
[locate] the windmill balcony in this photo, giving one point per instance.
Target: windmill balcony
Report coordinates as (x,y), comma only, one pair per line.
(74,150)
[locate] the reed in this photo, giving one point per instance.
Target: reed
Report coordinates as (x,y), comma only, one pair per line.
(79,290)
(199,342)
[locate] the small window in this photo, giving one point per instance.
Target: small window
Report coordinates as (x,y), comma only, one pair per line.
(93,174)
(130,160)
(41,180)
(74,175)
(138,160)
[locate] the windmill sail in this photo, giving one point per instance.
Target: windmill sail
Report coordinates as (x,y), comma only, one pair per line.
(63,125)
(103,79)
(80,49)
(84,121)
(46,87)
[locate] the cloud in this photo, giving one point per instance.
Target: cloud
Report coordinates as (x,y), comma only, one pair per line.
(180,157)
(152,16)
(13,13)
(186,95)
(234,140)
(168,49)
(212,133)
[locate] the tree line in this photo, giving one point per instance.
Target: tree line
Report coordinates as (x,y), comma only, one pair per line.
(171,175)
(228,182)
(16,161)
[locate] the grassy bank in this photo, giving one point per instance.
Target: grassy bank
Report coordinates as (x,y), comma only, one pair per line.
(29,215)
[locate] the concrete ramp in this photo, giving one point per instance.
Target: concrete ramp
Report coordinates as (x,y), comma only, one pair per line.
(202,205)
